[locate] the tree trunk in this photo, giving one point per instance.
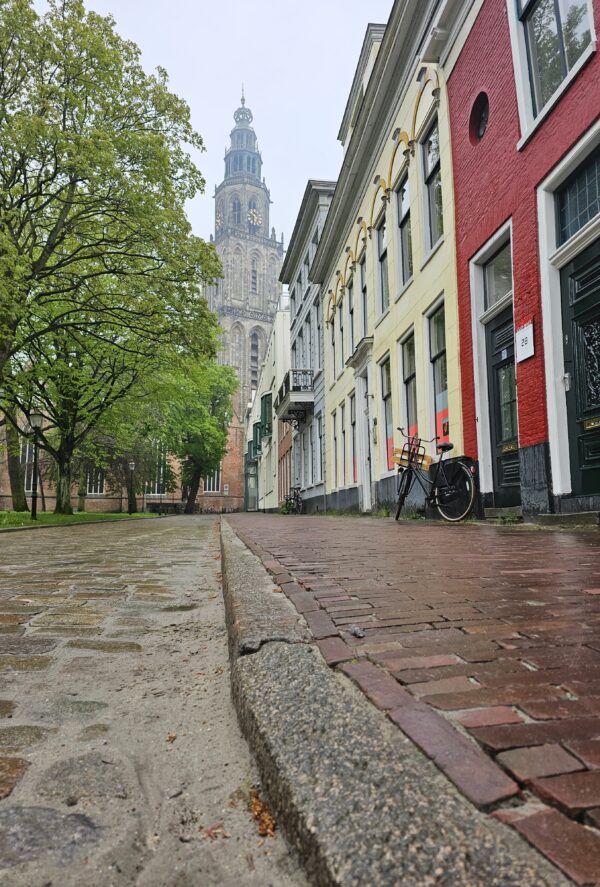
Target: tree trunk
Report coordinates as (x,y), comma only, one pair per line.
(192,492)
(63,487)
(15,469)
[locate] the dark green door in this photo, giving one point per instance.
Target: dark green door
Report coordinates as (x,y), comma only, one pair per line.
(581,341)
(502,387)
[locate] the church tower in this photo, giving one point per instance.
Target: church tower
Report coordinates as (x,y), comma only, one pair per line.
(247,296)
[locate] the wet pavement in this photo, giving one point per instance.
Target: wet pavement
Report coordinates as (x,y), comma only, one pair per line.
(481,643)
(121,761)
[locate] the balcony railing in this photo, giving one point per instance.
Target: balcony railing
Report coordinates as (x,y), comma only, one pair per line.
(295,396)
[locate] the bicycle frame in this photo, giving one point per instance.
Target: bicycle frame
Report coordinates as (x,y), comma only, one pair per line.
(427,484)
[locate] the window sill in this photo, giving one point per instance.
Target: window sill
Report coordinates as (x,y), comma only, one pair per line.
(554,99)
(382,317)
(432,252)
(404,288)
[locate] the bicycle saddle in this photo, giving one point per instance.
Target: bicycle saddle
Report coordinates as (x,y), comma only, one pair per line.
(445,447)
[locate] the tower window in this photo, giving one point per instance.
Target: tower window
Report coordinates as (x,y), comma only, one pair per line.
(236,210)
(254,358)
(254,276)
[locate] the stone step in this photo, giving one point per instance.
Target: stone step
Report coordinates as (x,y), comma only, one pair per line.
(513,512)
(566,519)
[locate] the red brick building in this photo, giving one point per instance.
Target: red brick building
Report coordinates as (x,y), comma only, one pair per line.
(524,100)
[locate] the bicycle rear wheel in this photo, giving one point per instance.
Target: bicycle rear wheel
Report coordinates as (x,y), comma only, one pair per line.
(454,499)
(403,489)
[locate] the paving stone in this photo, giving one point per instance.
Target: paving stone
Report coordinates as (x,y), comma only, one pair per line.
(335,650)
(12,629)
(588,750)
(572,847)
(444,685)
(398,663)
(7,708)
(23,646)
(20,737)
(94,731)
(28,833)
(567,708)
(107,646)
(11,770)
(540,760)
(487,717)
(592,817)
(88,777)
(381,688)
(573,791)
(518,735)
(12,619)
(320,624)
(472,771)
(69,706)
(24,663)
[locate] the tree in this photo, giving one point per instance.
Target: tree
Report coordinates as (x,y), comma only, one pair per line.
(94,175)
(100,276)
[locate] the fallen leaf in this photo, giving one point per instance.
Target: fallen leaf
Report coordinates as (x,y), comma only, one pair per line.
(250,861)
(262,814)
(214,830)
(171,737)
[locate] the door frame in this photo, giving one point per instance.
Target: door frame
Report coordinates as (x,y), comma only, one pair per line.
(552,260)
(479,318)
(360,362)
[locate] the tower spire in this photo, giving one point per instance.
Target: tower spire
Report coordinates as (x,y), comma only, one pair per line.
(243,96)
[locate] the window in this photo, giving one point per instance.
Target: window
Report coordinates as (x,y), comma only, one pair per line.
(333,363)
(254,276)
(335,450)
(212,482)
(350,297)
(384,289)
(556,33)
(409,376)
(300,350)
(27,452)
(403,205)
(308,362)
(353,464)
(386,394)
(95,482)
(433,184)
(437,350)
(497,277)
(254,359)
(310,471)
(343,431)
(578,200)
(340,314)
(266,414)
(317,306)
(305,268)
(319,460)
(156,486)
(236,210)
(363,296)
(292,304)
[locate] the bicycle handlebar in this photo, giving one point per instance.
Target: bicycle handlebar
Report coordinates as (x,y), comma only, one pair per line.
(412,436)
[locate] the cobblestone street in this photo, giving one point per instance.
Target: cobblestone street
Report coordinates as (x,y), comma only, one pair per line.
(481,643)
(121,761)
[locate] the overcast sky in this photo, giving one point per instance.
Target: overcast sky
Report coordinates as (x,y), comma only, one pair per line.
(297,61)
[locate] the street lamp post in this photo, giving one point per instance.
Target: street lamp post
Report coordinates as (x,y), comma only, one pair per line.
(35,420)
(132,503)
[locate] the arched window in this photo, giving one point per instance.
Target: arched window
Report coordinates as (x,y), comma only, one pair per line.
(254,361)
(236,210)
(237,335)
(254,276)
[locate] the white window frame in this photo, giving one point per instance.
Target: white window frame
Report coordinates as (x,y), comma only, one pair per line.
(382,222)
(479,318)
(385,471)
(528,120)
(406,335)
(430,425)
(95,477)
(211,478)
(552,260)
(432,121)
(403,179)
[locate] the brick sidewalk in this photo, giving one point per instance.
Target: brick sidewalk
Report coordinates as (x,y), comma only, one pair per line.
(481,643)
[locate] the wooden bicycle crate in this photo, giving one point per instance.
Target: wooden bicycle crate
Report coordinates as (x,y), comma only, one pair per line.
(400,456)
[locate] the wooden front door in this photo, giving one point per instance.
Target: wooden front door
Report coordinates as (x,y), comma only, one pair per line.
(581,341)
(502,389)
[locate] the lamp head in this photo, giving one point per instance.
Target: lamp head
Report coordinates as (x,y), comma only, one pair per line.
(36,418)
(132,465)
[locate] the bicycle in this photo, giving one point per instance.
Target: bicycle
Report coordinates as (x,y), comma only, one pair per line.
(294,500)
(452,488)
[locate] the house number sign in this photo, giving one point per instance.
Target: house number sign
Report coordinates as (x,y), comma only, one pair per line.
(524,342)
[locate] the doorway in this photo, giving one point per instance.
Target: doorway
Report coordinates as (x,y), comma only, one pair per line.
(580,290)
(502,391)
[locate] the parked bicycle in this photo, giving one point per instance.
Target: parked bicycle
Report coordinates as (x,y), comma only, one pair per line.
(451,489)
(294,501)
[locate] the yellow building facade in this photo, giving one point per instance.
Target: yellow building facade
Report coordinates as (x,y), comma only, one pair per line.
(386,263)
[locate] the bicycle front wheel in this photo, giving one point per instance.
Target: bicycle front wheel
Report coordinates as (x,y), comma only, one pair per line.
(403,490)
(299,506)
(454,499)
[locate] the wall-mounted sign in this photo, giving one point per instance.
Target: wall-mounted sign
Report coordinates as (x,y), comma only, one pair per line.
(524,345)
(226,489)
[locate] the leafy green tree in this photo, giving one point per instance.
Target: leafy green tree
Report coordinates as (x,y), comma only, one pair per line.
(94,175)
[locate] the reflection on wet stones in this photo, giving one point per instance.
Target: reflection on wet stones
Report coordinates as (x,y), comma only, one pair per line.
(11,770)
(31,832)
